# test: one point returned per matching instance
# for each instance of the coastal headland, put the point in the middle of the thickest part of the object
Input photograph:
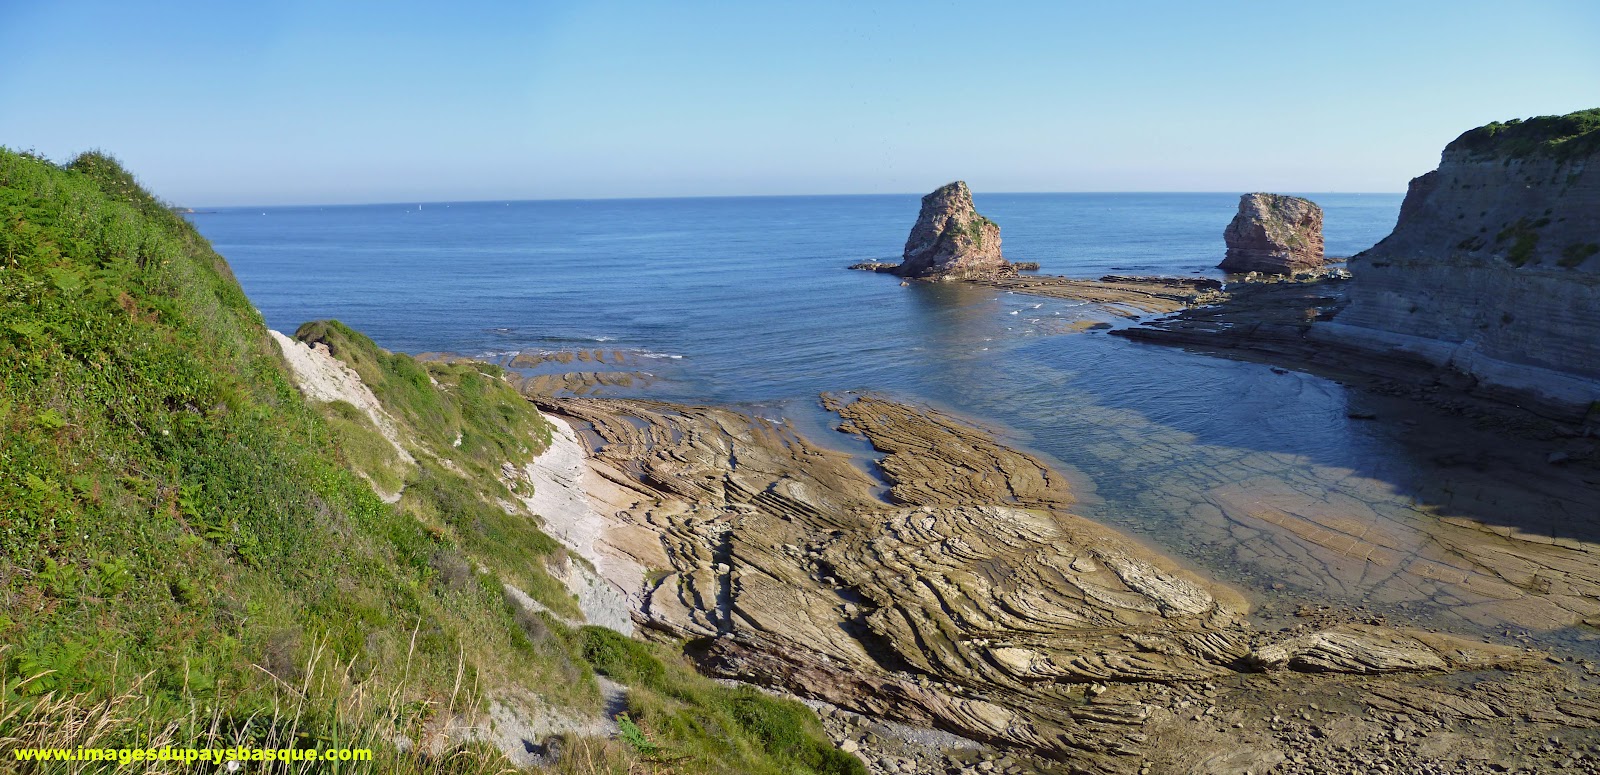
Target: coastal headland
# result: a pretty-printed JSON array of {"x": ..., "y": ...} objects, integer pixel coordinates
[{"x": 530, "y": 571}]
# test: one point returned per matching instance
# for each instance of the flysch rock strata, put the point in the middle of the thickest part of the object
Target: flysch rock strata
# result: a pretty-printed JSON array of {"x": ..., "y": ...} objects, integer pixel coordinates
[
  {"x": 1493, "y": 269},
  {"x": 968, "y": 598}
]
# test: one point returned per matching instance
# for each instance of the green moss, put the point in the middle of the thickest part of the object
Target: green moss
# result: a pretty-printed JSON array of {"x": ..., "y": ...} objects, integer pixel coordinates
[
  {"x": 1524, "y": 239},
  {"x": 972, "y": 230},
  {"x": 1577, "y": 253},
  {"x": 1559, "y": 137}
]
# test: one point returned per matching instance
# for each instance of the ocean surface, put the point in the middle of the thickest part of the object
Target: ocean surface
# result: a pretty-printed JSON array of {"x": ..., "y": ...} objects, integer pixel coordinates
[
  {"x": 751, "y": 294},
  {"x": 747, "y": 301}
]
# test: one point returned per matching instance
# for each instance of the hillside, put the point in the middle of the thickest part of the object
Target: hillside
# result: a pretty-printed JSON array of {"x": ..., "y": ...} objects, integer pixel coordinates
[
  {"x": 1559, "y": 137},
  {"x": 198, "y": 555}
]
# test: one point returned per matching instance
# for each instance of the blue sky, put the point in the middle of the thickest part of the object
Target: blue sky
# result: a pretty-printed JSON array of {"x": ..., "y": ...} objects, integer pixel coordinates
[{"x": 222, "y": 103}]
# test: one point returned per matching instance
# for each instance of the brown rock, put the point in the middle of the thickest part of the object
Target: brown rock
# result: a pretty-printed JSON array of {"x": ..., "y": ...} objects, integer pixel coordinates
[
  {"x": 967, "y": 597},
  {"x": 951, "y": 240},
  {"x": 1274, "y": 234},
  {"x": 1119, "y": 295}
]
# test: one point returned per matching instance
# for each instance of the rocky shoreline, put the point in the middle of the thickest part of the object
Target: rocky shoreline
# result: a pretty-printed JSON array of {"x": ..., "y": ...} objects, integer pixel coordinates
[
  {"x": 1121, "y": 295},
  {"x": 967, "y": 598},
  {"x": 1278, "y": 323},
  {"x": 947, "y": 611}
]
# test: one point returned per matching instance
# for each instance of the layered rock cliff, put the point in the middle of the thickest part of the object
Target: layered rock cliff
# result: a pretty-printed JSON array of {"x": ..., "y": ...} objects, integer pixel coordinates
[
  {"x": 1275, "y": 234},
  {"x": 1492, "y": 268},
  {"x": 951, "y": 240}
]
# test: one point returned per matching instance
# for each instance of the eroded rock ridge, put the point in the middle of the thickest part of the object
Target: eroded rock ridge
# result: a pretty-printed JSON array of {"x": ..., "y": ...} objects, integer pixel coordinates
[{"x": 965, "y": 597}]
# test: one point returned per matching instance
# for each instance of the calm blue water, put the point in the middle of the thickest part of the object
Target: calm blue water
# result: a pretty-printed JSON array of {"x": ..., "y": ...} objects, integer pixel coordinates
[
  {"x": 752, "y": 292},
  {"x": 747, "y": 301}
]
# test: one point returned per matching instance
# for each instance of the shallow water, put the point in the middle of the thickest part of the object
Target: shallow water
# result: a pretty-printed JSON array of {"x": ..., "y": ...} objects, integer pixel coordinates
[{"x": 1230, "y": 465}]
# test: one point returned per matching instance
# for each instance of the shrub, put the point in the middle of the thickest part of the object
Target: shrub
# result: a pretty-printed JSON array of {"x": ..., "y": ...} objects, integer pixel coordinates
[{"x": 1559, "y": 137}]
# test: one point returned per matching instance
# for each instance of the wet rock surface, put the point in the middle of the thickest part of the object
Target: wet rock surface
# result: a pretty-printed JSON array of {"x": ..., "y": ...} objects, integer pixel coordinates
[
  {"x": 1502, "y": 537},
  {"x": 1273, "y": 234},
  {"x": 1122, "y": 295},
  {"x": 1286, "y": 323},
  {"x": 968, "y": 598}
]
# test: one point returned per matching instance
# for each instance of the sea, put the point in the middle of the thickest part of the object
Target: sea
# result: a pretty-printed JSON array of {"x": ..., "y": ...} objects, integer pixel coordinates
[{"x": 748, "y": 302}]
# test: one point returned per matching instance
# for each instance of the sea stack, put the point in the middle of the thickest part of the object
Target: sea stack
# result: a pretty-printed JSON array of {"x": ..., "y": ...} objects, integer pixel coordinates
[
  {"x": 1494, "y": 266},
  {"x": 1274, "y": 234},
  {"x": 951, "y": 241}
]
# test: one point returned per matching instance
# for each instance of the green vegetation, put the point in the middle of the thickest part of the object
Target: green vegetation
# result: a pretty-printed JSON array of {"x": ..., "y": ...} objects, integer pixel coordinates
[
  {"x": 462, "y": 410},
  {"x": 1524, "y": 237},
  {"x": 365, "y": 449},
  {"x": 1577, "y": 253},
  {"x": 674, "y": 712},
  {"x": 1558, "y": 137},
  {"x": 973, "y": 230},
  {"x": 460, "y": 421},
  {"x": 191, "y": 554}
]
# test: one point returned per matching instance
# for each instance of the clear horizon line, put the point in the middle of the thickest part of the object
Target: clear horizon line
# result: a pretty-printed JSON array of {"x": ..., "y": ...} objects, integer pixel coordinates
[{"x": 408, "y": 202}]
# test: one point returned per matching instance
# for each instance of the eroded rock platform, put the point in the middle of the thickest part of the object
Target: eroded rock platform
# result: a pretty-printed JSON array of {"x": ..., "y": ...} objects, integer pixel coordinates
[{"x": 968, "y": 597}]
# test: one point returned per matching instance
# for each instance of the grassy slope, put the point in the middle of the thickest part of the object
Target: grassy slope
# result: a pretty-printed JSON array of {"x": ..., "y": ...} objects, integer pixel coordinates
[
  {"x": 189, "y": 555},
  {"x": 1559, "y": 137}
]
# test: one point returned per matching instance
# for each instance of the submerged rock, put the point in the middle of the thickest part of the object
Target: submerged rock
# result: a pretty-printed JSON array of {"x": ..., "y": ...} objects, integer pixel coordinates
[
  {"x": 951, "y": 240},
  {"x": 1274, "y": 234}
]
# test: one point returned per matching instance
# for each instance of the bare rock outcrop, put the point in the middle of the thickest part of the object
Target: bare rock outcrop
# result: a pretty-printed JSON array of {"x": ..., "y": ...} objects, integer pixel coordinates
[
  {"x": 1120, "y": 295},
  {"x": 1273, "y": 234},
  {"x": 1494, "y": 266},
  {"x": 951, "y": 240},
  {"x": 965, "y": 597}
]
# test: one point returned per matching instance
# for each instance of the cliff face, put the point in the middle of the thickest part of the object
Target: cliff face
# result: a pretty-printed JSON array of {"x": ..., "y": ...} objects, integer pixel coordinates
[
  {"x": 1275, "y": 234},
  {"x": 1492, "y": 267},
  {"x": 951, "y": 240}
]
